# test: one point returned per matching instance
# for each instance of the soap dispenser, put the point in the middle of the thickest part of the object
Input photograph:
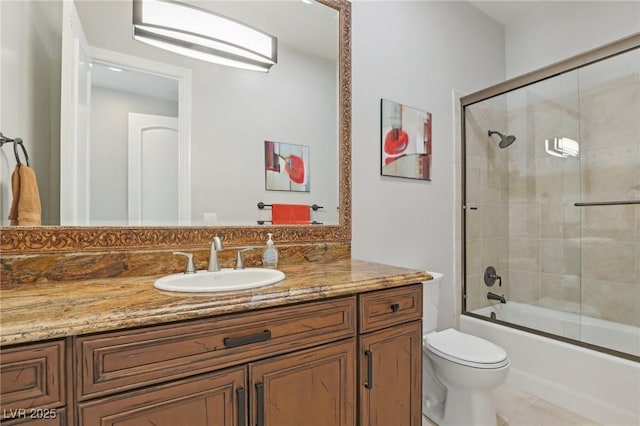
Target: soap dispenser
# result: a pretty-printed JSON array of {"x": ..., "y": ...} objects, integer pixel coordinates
[{"x": 270, "y": 255}]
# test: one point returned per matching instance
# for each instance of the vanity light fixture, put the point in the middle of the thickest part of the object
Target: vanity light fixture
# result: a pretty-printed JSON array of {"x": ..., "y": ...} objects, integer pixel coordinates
[
  {"x": 204, "y": 35},
  {"x": 562, "y": 147}
]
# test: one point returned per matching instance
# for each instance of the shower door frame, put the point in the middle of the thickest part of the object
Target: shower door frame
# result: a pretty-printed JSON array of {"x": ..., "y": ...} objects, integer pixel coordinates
[{"x": 573, "y": 63}]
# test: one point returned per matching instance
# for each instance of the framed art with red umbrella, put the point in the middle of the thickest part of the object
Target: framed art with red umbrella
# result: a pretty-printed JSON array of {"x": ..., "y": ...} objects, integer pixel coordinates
[
  {"x": 287, "y": 167},
  {"x": 405, "y": 141}
]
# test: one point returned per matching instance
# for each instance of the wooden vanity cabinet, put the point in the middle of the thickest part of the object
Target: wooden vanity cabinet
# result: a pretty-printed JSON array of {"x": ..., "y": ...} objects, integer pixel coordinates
[
  {"x": 276, "y": 366},
  {"x": 390, "y": 348},
  {"x": 346, "y": 361}
]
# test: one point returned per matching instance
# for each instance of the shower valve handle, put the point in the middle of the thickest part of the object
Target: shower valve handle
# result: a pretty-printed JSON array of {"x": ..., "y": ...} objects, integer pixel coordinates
[{"x": 490, "y": 277}]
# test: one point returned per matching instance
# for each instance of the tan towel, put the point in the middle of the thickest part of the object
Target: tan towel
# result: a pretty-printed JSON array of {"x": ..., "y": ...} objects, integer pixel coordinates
[
  {"x": 25, "y": 207},
  {"x": 15, "y": 191}
]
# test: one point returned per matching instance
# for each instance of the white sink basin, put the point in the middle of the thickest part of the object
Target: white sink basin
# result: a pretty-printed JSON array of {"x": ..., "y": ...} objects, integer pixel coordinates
[{"x": 223, "y": 280}]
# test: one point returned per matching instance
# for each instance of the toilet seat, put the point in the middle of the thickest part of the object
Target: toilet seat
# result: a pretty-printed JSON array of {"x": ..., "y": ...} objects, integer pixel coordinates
[{"x": 465, "y": 349}]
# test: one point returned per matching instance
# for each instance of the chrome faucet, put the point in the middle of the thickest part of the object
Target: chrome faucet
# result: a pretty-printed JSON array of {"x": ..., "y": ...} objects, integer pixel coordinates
[{"x": 216, "y": 246}]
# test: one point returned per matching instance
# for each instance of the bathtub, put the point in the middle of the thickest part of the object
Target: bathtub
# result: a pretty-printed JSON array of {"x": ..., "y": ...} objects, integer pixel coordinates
[
  {"x": 601, "y": 387},
  {"x": 608, "y": 334}
]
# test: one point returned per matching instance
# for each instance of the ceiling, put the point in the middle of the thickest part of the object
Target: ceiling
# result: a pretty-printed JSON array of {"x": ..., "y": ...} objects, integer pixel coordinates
[
  {"x": 132, "y": 81},
  {"x": 508, "y": 12}
]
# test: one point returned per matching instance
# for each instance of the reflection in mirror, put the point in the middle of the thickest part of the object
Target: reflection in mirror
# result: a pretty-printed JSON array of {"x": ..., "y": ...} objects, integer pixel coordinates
[
  {"x": 135, "y": 132},
  {"x": 211, "y": 170}
]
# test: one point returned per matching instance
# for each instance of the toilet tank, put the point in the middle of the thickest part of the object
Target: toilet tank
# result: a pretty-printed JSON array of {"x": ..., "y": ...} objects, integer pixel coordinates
[{"x": 430, "y": 300}]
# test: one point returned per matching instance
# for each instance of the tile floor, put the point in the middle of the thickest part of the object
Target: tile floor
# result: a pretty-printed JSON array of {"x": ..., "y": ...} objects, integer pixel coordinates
[{"x": 518, "y": 408}]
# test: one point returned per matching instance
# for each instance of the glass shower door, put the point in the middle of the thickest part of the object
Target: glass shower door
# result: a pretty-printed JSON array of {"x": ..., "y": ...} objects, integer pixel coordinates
[
  {"x": 520, "y": 213},
  {"x": 610, "y": 175},
  {"x": 551, "y": 204}
]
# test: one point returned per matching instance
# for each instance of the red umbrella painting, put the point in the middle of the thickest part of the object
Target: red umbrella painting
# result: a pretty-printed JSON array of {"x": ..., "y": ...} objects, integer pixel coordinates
[
  {"x": 405, "y": 141},
  {"x": 286, "y": 167}
]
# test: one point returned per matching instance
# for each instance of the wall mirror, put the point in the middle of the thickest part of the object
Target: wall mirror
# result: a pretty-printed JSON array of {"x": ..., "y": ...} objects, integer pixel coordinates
[{"x": 227, "y": 115}]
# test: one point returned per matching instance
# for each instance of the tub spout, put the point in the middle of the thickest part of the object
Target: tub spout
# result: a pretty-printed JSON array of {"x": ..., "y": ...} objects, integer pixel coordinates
[{"x": 493, "y": 296}]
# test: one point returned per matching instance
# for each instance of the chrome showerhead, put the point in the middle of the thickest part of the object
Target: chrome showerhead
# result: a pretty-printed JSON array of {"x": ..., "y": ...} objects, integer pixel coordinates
[{"x": 505, "y": 140}]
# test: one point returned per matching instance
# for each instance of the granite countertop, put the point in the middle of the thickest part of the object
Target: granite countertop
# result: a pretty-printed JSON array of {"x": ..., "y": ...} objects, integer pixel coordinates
[{"x": 40, "y": 311}]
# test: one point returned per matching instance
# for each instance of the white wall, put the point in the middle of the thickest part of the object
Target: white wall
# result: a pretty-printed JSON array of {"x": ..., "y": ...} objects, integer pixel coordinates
[
  {"x": 414, "y": 53},
  {"x": 30, "y": 103},
  {"x": 561, "y": 29}
]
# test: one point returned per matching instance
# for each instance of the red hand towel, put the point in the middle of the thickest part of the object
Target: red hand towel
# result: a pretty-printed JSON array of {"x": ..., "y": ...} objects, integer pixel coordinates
[{"x": 290, "y": 214}]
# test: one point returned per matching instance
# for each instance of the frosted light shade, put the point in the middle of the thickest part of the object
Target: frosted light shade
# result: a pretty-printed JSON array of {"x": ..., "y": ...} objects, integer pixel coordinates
[{"x": 202, "y": 34}]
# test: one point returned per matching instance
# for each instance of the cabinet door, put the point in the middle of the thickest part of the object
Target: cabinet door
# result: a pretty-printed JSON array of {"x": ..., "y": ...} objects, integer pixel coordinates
[
  {"x": 32, "y": 376},
  {"x": 217, "y": 399},
  {"x": 390, "y": 376},
  {"x": 313, "y": 387}
]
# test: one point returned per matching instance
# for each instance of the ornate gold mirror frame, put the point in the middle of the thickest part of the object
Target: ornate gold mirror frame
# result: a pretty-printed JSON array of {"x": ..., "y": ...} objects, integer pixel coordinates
[{"x": 23, "y": 240}]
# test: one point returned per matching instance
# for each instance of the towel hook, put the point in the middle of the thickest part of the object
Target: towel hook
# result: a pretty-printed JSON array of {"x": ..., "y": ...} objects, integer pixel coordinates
[{"x": 16, "y": 142}]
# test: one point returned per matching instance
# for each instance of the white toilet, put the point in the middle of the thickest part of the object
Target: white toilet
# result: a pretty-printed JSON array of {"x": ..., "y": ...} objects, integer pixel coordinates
[{"x": 459, "y": 370}]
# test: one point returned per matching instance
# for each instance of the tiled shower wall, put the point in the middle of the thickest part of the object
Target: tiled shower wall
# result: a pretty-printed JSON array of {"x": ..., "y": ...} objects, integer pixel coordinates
[{"x": 549, "y": 252}]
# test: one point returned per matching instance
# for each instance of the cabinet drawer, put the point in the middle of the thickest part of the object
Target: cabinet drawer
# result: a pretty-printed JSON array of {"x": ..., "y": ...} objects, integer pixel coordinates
[
  {"x": 129, "y": 359},
  {"x": 384, "y": 308},
  {"x": 32, "y": 376}
]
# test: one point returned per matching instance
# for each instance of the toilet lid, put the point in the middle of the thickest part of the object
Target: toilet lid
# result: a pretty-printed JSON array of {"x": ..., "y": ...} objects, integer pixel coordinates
[{"x": 466, "y": 349}]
